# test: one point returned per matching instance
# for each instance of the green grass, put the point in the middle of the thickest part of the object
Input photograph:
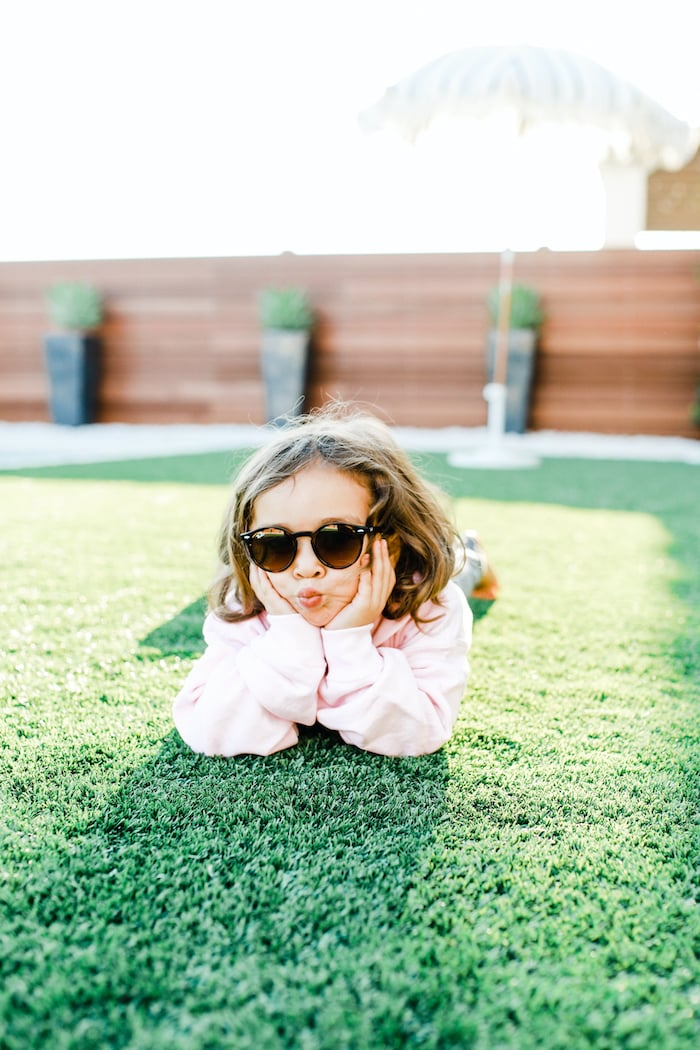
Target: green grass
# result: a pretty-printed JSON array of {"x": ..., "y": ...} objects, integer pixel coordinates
[{"x": 534, "y": 884}]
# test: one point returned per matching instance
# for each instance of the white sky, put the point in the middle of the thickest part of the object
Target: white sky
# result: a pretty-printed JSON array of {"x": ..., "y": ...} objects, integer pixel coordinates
[{"x": 137, "y": 128}]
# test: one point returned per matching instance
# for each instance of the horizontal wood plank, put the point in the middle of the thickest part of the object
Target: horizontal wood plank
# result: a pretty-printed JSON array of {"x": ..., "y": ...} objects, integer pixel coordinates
[{"x": 618, "y": 349}]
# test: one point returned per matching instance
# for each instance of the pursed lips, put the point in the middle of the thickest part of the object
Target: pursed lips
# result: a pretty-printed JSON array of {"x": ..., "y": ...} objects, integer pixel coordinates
[{"x": 309, "y": 598}]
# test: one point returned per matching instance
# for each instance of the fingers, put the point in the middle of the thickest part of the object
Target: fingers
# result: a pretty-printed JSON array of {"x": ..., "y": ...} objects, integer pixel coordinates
[
  {"x": 377, "y": 581},
  {"x": 266, "y": 593},
  {"x": 382, "y": 570},
  {"x": 374, "y": 585}
]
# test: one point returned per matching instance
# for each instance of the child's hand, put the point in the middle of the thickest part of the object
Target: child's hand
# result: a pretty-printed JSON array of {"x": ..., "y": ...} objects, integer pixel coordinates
[
  {"x": 375, "y": 584},
  {"x": 271, "y": 599}
]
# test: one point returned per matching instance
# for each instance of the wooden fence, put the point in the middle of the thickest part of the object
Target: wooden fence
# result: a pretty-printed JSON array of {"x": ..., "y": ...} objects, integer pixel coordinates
[{"x": 406, "y": 333}]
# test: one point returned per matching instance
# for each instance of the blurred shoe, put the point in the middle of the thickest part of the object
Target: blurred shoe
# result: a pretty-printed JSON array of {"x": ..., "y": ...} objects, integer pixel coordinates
[{"x": 477, "y": 578}]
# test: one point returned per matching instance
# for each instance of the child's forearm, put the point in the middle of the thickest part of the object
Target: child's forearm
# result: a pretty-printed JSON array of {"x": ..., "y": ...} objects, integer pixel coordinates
[
  {"x": 397, "y": 699},
  {"x": 249, "y": 699},
  {"x": 395, "y": 713}
]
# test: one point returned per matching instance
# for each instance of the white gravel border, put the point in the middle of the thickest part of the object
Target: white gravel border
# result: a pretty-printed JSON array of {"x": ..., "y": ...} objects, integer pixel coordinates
[{"x": 47, "y": 444}]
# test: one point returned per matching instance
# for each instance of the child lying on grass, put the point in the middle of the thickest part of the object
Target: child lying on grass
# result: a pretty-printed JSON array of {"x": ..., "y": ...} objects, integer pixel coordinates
[{"x": 335, "y": 601}]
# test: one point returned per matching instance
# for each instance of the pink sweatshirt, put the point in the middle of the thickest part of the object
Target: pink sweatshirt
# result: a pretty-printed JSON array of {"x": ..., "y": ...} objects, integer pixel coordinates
[{"x": 392, "y": 688}]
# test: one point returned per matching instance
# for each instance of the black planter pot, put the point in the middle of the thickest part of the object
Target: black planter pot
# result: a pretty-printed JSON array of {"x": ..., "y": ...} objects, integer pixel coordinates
[
  {"x": 284, "y": 361},
  {"x": 522, "y": 350},
  {"x": 73, "y": 369}
]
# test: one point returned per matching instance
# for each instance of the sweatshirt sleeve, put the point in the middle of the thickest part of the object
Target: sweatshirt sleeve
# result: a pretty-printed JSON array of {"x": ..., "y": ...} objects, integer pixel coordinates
[
  {"x": 251, "y": 687},
  {"x": 400, "y": 696}
]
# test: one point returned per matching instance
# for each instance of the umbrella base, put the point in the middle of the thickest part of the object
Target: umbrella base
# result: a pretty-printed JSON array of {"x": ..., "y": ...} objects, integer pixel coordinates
[
  {"x": 493, "y": 457},
  {"x": 496, "y": 452}
]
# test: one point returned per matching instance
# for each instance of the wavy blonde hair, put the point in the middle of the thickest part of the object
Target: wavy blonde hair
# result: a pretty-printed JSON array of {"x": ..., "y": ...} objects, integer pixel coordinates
[{"x": 403, "y": 505}]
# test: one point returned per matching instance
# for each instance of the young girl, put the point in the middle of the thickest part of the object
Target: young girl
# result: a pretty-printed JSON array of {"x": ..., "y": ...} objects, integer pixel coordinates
[{"x": 334, "y": 602}]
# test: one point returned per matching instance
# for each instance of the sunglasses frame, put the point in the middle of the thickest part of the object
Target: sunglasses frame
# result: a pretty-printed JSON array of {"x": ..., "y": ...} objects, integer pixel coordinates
[{"x": 359, "y": 530}]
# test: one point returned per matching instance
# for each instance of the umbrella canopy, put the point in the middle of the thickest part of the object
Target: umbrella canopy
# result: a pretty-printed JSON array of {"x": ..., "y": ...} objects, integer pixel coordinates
[
  {"x": 538, "y": 85},
  {"x": 539, "y": 88}
]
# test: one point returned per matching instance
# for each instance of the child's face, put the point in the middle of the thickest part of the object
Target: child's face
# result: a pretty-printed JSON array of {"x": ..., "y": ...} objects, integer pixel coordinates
[{"x": 316, "y": 495}]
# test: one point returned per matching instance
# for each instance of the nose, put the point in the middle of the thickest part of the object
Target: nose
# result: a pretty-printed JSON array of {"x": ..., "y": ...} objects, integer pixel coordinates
[{"x": 306, "y": 564}]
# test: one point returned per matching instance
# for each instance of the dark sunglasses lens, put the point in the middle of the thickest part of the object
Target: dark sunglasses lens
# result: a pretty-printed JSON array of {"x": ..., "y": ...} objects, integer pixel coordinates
[
  {"x": 273, "y": 551},
  {"x": 338, "y": 545}
]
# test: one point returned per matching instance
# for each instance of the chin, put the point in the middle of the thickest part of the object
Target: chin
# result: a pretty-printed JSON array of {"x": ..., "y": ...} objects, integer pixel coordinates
[{"x": 318, "y": 619}]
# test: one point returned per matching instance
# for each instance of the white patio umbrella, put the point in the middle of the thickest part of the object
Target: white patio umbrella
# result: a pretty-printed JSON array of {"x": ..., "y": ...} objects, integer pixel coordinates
[{"x": 538, "y": 87}]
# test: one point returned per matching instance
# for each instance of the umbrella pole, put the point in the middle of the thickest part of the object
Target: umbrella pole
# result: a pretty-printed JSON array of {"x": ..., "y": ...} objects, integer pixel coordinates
[
  {"x": 495, "y": 392},
  {"x": 495, "y": 452}
]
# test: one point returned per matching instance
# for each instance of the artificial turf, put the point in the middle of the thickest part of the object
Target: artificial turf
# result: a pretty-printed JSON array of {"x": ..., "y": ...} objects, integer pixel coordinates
[{"x": 533, "y": 884}]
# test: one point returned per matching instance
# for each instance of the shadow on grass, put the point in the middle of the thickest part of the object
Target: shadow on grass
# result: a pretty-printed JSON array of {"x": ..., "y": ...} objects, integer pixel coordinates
[
  {"x": 321, "y": 897},
  {"x": 480, "y": 608},
  {"x": 179, "y": 636},
  {"x": 254, "y": 898}
]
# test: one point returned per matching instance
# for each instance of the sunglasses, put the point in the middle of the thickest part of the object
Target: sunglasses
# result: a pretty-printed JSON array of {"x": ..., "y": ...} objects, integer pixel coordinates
[{"x": 336, "y": 545}]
